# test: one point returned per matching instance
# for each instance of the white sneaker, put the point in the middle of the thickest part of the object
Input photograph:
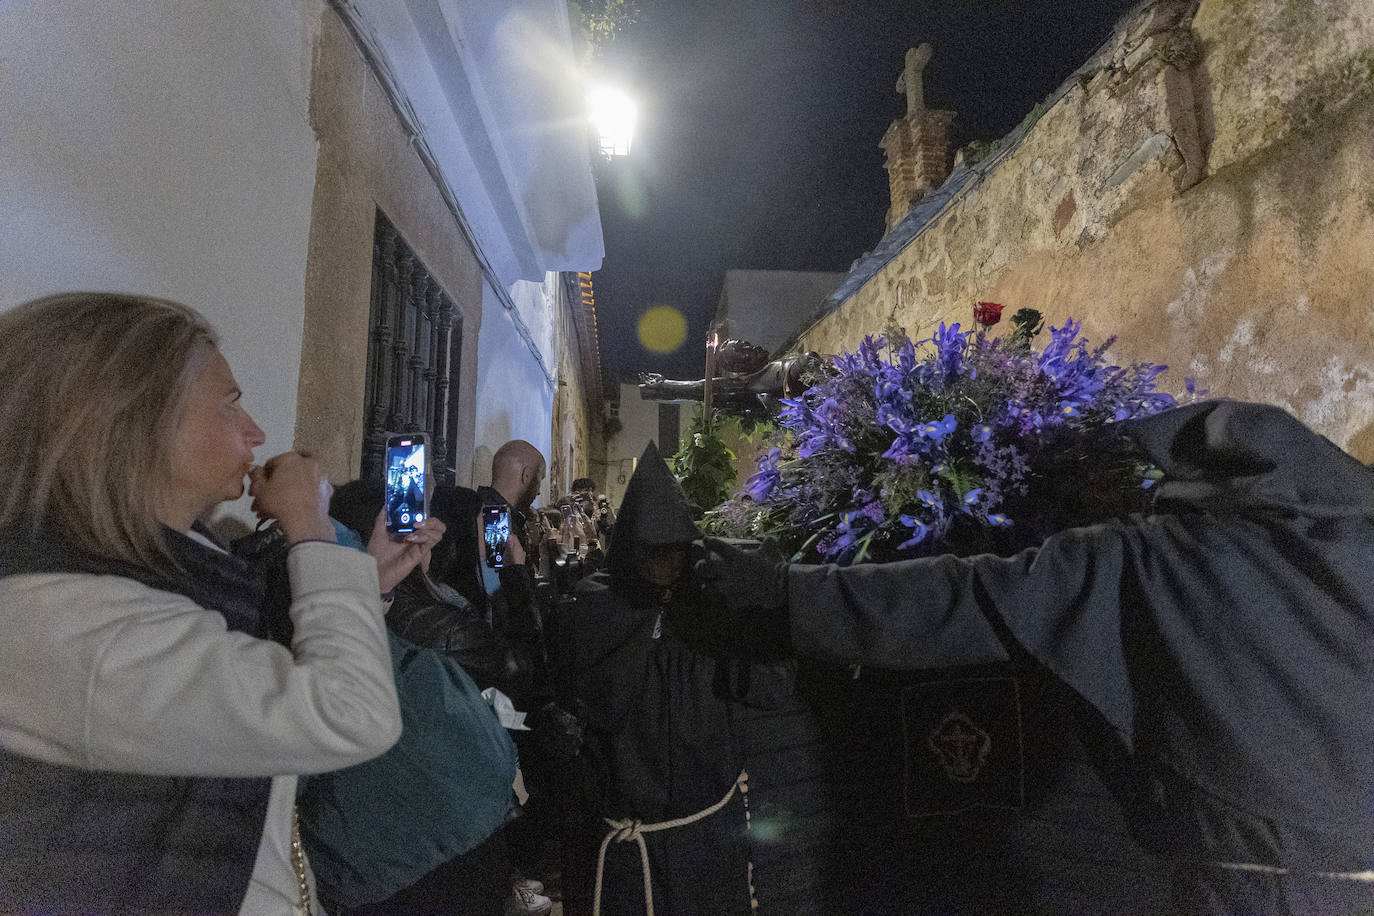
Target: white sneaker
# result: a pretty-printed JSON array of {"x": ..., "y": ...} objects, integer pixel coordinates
[
  {"x": 529, "y": 884},
  {"x": 525, "y": 902}
]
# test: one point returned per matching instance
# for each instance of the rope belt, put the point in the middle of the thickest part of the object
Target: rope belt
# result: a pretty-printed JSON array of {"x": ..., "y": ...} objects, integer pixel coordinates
[
  {"x": 1364, "y": 876},
  {"x": 625, "y": 829}
]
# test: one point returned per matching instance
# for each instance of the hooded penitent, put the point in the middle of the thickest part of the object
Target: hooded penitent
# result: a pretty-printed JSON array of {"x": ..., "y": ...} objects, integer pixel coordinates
[
  {"x": 658, "y": 739},
  {"x": 654, "y": 513}
]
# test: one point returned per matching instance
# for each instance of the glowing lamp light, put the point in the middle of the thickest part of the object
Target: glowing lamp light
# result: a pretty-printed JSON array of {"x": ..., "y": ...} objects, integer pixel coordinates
[{"x": 613, "y": 114}]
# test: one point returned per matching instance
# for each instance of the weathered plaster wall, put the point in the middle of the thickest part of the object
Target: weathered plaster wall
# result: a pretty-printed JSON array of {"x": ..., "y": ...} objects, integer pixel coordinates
[
  {"x": 164, "y": 148},
  {"x": 513, "y": 398},
  {"x": 366, "y": 163},
  {"x": 1218, "y": 215}
]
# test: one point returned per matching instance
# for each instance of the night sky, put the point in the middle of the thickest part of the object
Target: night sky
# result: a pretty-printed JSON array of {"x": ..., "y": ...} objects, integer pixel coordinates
[{"x": 759, "y": 122}]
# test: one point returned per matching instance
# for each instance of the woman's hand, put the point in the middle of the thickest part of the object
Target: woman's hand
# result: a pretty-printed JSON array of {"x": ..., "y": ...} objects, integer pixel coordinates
[
  {"x": 396, "y": 558},
  {"x": 292, "y": 489}
]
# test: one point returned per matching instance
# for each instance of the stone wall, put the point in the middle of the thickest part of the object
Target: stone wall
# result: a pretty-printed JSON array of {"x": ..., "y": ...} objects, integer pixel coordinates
[
  {"x": 1204, "y": 188},
  {"x": 367, "y": 163}
]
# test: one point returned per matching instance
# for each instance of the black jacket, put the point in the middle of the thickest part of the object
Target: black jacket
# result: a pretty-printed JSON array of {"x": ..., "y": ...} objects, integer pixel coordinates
[{"x": 462, "y": 632}]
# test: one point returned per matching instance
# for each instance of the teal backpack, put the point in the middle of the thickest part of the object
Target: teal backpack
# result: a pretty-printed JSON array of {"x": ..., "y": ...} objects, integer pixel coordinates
[{"x": 378, "y": 827}]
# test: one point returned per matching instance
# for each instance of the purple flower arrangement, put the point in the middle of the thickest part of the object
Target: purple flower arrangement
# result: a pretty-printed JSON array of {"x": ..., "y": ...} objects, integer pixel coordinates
[{"x": 957, "y": 443}]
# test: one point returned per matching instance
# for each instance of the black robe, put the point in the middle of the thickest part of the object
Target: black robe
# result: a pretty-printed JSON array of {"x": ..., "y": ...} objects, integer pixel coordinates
[
  {"x": 1228, "y": 638},
  {"x": 658, "y": 739}
]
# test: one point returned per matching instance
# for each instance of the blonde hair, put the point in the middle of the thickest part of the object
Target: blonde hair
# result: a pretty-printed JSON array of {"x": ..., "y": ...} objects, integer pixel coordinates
[{"x": 93, "y": 388}]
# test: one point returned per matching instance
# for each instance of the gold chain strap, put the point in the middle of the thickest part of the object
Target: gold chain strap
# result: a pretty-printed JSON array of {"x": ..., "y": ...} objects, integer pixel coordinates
[{"x": 298, "y": 860}]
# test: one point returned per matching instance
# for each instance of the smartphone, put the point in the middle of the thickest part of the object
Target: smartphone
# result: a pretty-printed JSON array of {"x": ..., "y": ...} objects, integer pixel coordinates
[
  {"x": 407, "y": 482},
  {"x": 496, "y": 530}
]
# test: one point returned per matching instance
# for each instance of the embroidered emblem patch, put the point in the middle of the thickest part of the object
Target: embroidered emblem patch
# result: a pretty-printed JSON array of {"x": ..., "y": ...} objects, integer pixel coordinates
[{"x": 961, "y": 746}]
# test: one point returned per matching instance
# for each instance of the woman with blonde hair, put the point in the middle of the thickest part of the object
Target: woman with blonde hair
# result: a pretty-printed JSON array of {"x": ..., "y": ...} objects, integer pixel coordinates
[{"x": 150, "y": 736}]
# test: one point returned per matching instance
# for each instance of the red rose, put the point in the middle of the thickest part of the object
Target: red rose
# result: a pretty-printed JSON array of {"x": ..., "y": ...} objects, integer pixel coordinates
[{"x": 987, "y": 313}]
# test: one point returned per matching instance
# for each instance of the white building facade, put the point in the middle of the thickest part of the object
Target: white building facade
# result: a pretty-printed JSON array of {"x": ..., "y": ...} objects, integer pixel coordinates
[{"x": 256, "y": 159}]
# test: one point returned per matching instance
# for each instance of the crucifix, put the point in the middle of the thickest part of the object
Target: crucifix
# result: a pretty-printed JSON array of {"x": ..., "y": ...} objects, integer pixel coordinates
[
  {"x": 712, "y": 341},
  {"x": 910, "y": 79}
]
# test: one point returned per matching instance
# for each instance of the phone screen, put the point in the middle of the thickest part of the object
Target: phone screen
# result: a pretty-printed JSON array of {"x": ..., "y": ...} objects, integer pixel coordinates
[
  {"x": 405, "y": 484},
  {"x": 496, "y": 530}
]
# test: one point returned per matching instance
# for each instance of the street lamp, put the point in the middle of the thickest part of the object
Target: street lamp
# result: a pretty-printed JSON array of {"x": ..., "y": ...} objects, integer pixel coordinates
[{"x": 613, "y": 113}]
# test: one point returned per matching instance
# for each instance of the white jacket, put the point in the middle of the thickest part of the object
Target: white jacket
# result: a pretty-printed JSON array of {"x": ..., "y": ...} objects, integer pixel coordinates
[{"x": 105, "y": 673}]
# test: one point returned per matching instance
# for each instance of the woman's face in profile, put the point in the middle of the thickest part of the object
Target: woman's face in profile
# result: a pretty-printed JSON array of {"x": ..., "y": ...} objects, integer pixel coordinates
[{"x": 214, "y": 441}]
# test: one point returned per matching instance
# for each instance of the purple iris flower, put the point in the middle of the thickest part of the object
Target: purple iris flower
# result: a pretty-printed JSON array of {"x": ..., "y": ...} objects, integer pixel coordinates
[
  {"x": 888, "y": 386},
  {"x": 904, "y": 450},
  {"x": 980, "y": 433},
  {"x": 919, "y": 530},
  {"x": 761, "y": 485},
  {"x": 938, "y": 429},
  {"x": 835, "y": 543},
  {"x": 854, "y": 525},
  {"x": 949, "y": 346},
  {"x": 906, "y": 356},
  {"x": 893, "y": 420}
]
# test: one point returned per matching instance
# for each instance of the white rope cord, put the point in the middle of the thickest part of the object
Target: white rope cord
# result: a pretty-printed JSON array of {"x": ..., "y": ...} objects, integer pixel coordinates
[
  {"x": 625, "y": 829},
  {"x": 1365, "y": 876}
]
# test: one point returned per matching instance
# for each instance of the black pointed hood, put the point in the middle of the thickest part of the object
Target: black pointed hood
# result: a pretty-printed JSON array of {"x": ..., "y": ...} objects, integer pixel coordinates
[
  {"x": 1237, "y": 456},
  {"x": 654, "y": 513}
]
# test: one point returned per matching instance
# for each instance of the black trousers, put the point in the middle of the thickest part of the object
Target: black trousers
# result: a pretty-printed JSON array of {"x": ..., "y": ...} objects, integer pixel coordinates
[{"x": 473, "y": 884}]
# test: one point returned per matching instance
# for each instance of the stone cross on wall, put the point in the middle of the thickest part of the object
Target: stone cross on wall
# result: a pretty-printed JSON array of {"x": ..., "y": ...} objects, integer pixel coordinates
[
  {"x": 910, "y": 80},
  {"x": 918, "y": 146}
]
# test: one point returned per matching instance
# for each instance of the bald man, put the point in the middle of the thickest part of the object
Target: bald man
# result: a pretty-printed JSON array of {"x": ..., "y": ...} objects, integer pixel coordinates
[{"x": 517, "y": 472}]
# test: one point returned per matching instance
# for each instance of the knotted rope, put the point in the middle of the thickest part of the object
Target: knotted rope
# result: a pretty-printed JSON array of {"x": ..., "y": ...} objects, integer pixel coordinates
[
  {"x": 1364, "y": 876},
  {"x": 627, "y": 828}
]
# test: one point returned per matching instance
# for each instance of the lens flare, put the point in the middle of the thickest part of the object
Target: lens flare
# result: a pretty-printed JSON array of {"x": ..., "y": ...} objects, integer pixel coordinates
[{"x": 662, "y": 329}]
